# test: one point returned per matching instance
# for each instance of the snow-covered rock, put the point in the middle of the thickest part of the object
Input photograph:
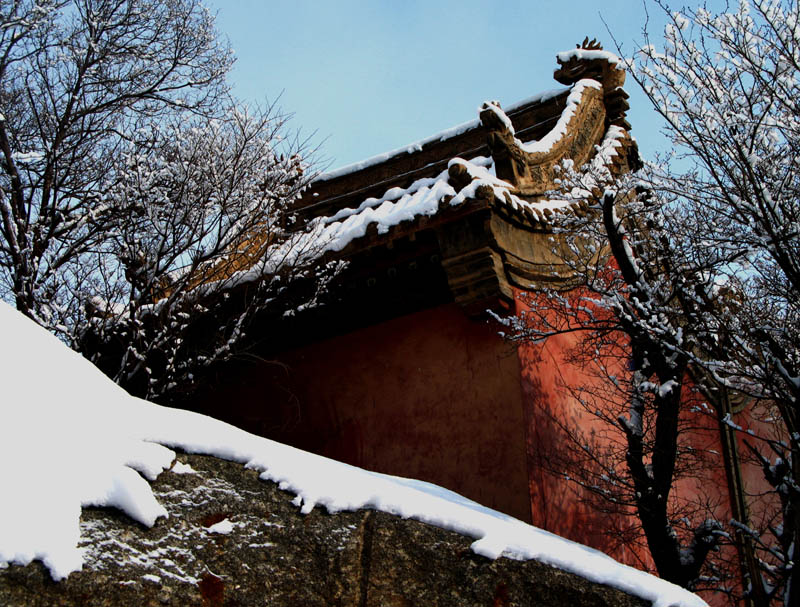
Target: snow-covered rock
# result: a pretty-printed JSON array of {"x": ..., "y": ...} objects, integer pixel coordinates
[{"x": 274, "y": 555}]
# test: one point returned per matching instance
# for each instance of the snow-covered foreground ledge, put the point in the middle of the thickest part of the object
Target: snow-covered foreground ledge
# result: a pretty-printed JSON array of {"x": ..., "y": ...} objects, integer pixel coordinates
[{"x": 69, "y": 437}]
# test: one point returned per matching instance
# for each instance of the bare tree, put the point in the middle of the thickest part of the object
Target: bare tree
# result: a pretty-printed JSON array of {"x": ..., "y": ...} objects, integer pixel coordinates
[
  {"x": 77, "y": 76},
  {"x": 727, "y": 86},
  {"x": 143, "y": 212},
  {"x": 631, "y": 337},
  {"x": 200, "y": 246},
  {"x": 693, "y": 308}
]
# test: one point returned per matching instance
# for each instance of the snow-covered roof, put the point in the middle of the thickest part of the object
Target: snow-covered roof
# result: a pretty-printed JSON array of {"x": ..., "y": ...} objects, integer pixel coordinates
[
  {"x": 441, "y": 136},
  {"x": 422, "y": 197},
  {"x": 428, "y": 195},
  {"x": 589, "y": 54},
  {"x": 549, "y": 125},
  {"x": 71, "y": 438},
  {"x": 510, "y": 162}
]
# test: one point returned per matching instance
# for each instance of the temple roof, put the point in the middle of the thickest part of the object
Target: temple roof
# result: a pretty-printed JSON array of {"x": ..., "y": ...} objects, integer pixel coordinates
[{"x": 489, "y": 188}]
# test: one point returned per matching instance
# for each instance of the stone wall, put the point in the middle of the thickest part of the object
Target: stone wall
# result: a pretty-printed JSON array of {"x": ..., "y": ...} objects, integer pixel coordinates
[{"x": 276, "y": 556}]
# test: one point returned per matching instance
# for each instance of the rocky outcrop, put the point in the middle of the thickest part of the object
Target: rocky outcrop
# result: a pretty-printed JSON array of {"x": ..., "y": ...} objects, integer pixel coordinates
[{"x": 233, "y": 540}]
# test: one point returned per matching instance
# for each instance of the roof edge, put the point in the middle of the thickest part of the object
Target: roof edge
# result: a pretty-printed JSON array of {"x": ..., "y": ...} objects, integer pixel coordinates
[{"x": 441, "y": 136}]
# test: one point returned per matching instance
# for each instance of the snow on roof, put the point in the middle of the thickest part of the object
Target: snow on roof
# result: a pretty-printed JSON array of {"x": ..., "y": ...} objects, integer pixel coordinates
[
  {"x": 588, "y": 54},
  {"x": 546, "y": 143},
  {"x": 400, "y": 204},
  {"x": 441, "y": 136},
  {"x": 423, "y": 197},
  {"x": 69, "y": 438}
]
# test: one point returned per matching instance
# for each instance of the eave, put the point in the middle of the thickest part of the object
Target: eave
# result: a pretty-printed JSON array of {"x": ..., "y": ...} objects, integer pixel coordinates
[{"x": 494, "y": 233}]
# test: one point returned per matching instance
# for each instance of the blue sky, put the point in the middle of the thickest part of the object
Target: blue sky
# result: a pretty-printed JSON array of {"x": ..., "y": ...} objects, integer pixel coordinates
[{"x": 368, "y": 77}]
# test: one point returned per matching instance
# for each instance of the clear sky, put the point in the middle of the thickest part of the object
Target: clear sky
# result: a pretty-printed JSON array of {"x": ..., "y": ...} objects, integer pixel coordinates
[{"x": 370, "y": 76}]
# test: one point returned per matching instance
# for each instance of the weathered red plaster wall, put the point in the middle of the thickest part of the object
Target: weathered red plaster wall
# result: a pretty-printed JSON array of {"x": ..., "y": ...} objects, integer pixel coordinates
[
  {"x": 563, "y": 508},
  {"x": 432, "y": 395},
  {"x": 558, "y": 505}
]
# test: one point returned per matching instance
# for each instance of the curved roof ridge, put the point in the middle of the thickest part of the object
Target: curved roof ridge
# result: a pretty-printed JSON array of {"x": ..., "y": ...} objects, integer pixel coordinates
[{"x": 444, "y": 135}]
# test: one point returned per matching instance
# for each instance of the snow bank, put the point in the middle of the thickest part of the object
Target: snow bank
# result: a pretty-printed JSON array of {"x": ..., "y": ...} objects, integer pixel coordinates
[{"x": 69, "y": 437}]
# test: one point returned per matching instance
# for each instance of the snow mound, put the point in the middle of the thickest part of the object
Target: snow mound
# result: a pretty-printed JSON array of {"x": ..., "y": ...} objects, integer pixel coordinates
[{"x": 69, "y": 437}]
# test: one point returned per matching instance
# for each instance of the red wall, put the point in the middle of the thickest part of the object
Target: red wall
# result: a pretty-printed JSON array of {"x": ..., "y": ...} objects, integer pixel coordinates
[
  {"x": 558, "y": 505},
  {"x": 564, "y": 508},
  {"x": 442, "y": 398},
  {"x": 432, "y": 395}
]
